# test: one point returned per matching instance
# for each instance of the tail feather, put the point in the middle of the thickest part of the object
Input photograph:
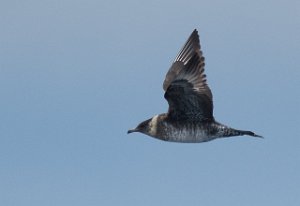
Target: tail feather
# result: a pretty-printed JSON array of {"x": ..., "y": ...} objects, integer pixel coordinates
[{"x": 242, "y": 132}]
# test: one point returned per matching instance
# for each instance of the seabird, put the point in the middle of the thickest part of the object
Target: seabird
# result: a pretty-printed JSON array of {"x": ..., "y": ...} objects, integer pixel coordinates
[{"x": 190, "y": 116}]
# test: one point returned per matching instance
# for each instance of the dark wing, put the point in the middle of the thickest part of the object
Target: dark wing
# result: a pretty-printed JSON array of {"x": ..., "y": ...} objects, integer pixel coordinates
[
  {"x": 191, "y": 46},
  {"x": 187, "y": 92}
]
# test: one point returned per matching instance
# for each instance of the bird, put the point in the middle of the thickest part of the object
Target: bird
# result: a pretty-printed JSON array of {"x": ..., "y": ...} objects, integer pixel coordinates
[{"x": 190, "y": 116}]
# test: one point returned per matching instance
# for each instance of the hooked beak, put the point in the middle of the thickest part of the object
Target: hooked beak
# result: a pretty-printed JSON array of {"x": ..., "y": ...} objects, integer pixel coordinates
[{"x": 132, "y": 130}]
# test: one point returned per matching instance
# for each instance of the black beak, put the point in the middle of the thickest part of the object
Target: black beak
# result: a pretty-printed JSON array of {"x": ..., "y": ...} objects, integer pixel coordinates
[{"x": 132, "y": 130}]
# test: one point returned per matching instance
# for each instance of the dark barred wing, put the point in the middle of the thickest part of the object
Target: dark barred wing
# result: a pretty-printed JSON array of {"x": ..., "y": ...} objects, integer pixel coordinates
[
  {"x": 187, "y": 92},
  {"x": 191, "y": 46}
]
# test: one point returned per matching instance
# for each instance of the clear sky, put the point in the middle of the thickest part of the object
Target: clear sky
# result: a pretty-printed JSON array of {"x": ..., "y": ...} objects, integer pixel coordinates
[{"x": 76, "y": 75}]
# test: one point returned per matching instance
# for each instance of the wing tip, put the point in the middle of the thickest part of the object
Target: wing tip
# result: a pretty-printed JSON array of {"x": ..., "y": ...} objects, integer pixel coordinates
[
  {"x": 195, "y": 34},
  {"x": 195, "y": 31}
]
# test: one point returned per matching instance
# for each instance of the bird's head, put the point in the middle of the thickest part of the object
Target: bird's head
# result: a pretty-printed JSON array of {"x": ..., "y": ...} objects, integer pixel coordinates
[
  {"x": 148, "y": 127},
  {"x": 143, "y": 127}
]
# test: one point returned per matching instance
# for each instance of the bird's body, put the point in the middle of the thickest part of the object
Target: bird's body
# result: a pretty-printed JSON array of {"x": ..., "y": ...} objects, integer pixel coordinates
[
  {"x": 190, "y": 115},
  {"x": 164, "y": 128}
]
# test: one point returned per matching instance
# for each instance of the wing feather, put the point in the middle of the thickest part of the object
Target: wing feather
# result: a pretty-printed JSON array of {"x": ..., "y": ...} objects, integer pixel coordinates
[
  {"x": 187, "y": 92},
  {"x": 191, "y": 46}
]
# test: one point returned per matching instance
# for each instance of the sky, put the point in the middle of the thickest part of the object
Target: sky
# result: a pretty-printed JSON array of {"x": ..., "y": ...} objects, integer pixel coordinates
[{"x": 76, "y": 75}]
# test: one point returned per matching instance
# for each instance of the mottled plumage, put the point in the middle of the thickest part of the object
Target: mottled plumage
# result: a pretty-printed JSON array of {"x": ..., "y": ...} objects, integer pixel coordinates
[{"x": 190, "y": 115}]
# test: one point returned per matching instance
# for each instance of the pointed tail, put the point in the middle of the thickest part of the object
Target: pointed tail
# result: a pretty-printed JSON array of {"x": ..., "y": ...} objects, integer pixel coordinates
[{"x": 242, "y": 132}]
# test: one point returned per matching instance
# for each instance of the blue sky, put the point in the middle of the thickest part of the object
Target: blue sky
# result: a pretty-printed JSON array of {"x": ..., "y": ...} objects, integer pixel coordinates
[{"x": 75, "y": 75}]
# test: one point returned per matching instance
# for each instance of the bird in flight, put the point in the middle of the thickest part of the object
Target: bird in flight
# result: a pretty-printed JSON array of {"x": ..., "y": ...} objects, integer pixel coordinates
[{"x": 190, "y": 116}]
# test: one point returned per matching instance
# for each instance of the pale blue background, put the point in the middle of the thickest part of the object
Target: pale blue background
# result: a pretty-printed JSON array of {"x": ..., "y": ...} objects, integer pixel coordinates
[{"x": 75, "y": 75}]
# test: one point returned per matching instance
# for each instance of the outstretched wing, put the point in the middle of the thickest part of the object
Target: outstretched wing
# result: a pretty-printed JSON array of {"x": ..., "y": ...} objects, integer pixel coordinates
[{"x": 187, "y": 92}]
